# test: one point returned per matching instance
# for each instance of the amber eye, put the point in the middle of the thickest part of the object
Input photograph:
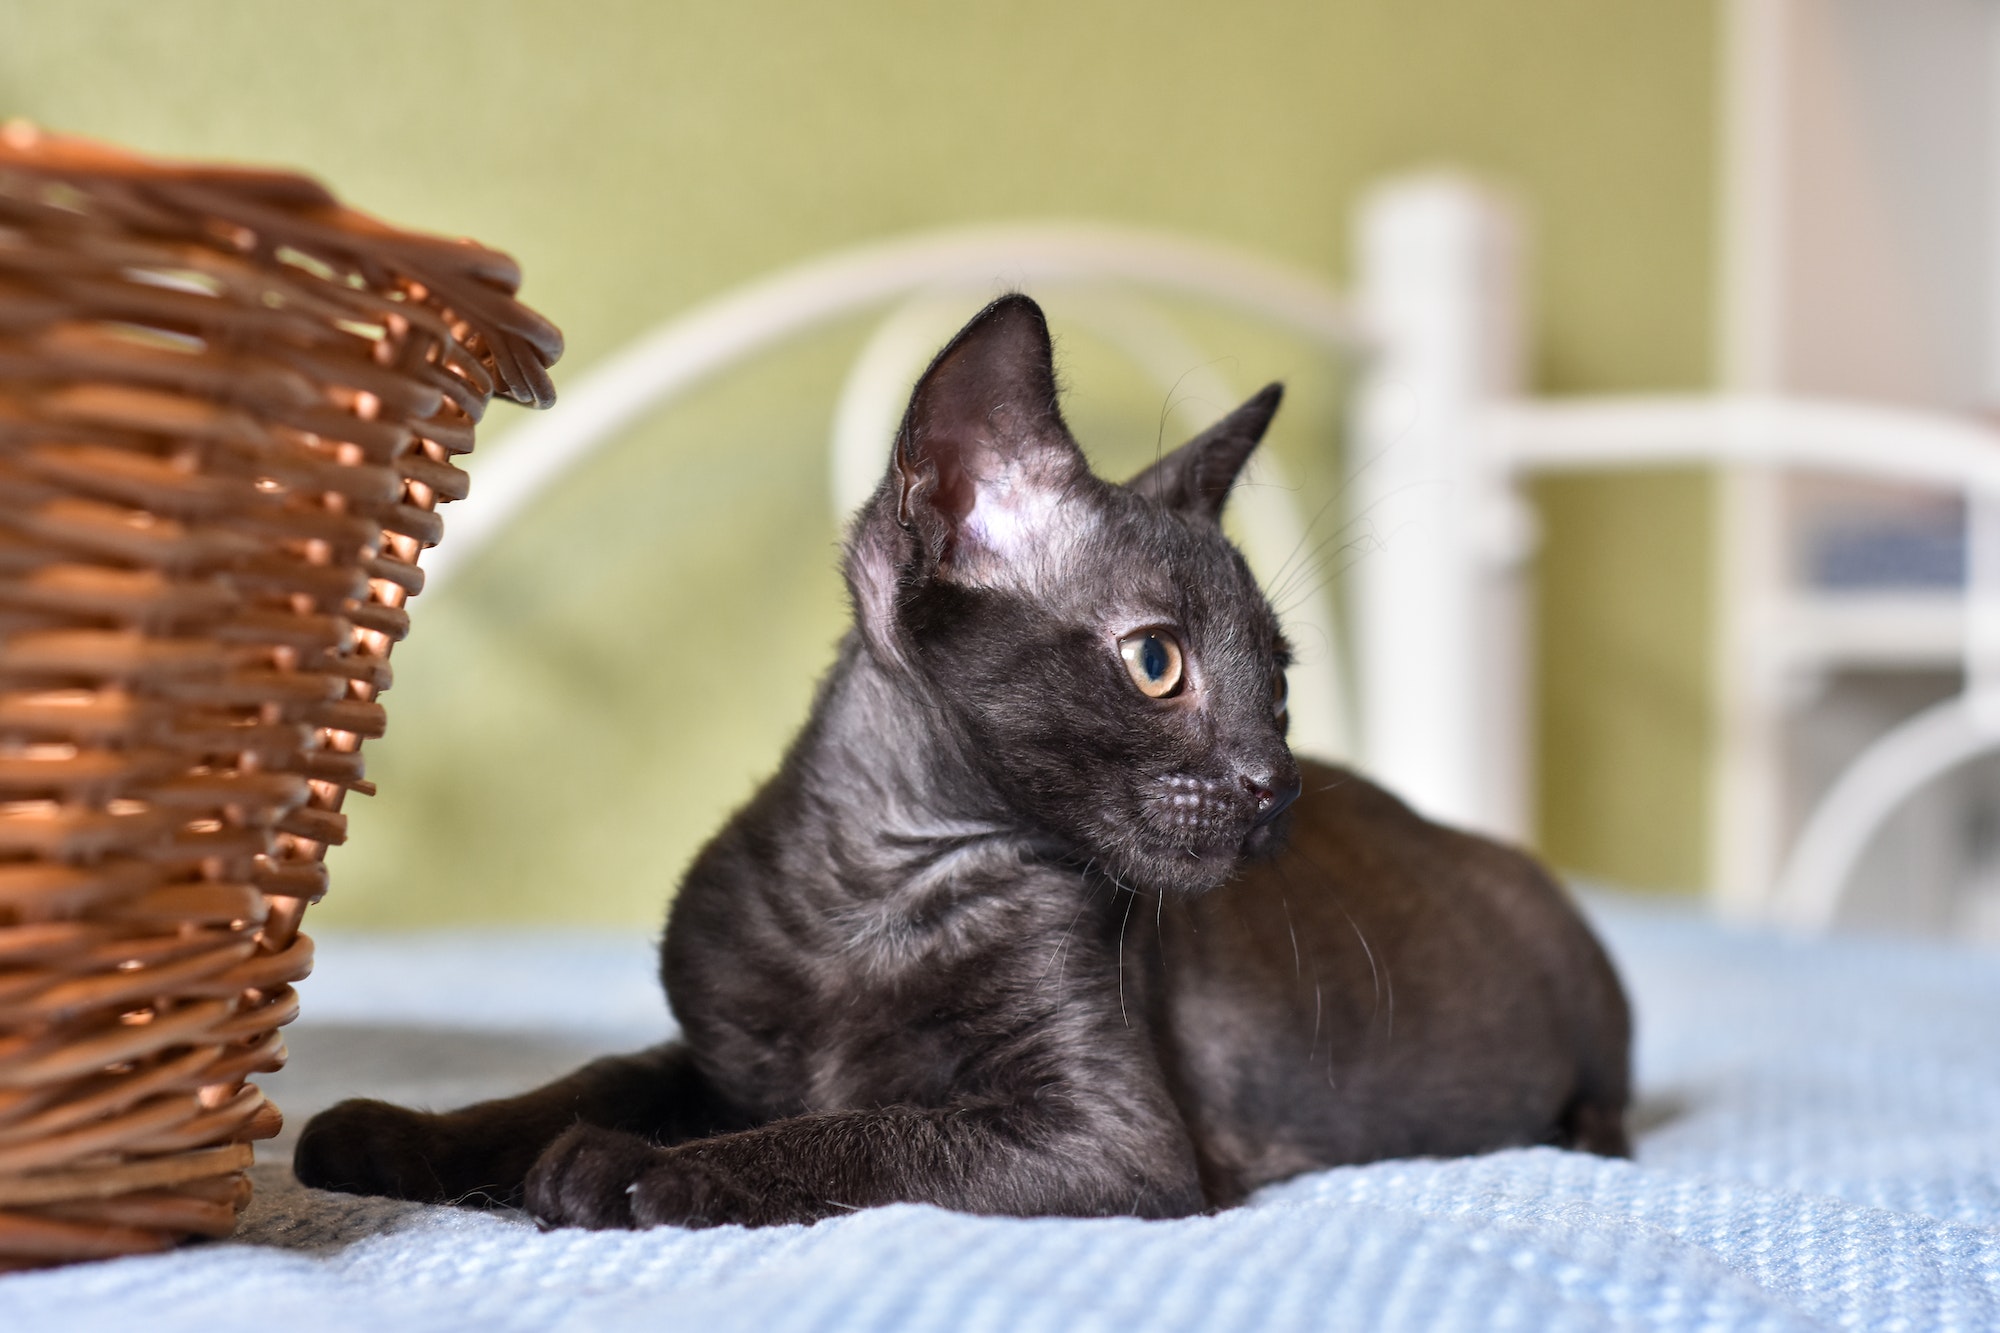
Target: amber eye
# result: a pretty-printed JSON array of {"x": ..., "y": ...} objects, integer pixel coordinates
[{"x": 1153, "y": 660}]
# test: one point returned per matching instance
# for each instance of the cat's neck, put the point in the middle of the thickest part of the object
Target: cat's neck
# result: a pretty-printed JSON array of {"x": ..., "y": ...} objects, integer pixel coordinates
[{"x": 892, "y": 780}]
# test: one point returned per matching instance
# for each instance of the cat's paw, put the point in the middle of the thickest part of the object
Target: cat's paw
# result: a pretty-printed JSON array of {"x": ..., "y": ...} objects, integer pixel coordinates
[
  {"x": 604, "y": 1179},
  {"x": 369, "y": 1147},
  {"x": 587, "y": 1177}
]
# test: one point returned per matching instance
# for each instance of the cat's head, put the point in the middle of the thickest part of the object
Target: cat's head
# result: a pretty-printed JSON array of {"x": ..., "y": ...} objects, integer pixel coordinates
[{"x": 1104, "y": 652}]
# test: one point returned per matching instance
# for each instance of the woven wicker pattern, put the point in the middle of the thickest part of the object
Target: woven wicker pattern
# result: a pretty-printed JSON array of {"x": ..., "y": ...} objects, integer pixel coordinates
[{"x": 228, "y": 413}]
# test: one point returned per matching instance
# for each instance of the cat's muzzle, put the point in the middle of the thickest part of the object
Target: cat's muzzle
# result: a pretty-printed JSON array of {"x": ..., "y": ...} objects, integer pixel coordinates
[{"x": 1219, "y": 820}]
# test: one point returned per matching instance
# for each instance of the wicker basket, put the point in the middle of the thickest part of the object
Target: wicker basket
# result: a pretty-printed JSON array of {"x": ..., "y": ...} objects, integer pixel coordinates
[{"x": 228, "y": 412}]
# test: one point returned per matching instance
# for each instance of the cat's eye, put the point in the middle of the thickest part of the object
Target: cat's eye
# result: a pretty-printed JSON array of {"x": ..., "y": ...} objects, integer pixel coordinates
[
  {"x": 1153, "y": 660},
  {"x": 1280, "y": 691}
]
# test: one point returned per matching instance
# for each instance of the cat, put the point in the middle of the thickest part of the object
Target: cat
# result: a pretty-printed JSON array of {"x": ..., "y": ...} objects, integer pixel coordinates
[{"x": 1040, "y": 915}]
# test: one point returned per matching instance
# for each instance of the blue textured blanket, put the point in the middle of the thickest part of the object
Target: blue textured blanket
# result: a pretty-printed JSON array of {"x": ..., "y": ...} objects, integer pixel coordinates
[{"x": 1819, "y": 1147}]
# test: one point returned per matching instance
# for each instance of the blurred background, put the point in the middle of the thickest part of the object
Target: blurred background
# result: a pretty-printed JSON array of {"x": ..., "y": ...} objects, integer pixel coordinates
[{"x": 1787, "y": 196}]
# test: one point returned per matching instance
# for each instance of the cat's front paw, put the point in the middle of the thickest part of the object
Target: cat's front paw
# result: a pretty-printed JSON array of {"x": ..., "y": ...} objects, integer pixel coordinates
[
  {"x": 369, "y": 1147},
  {"x": 604, "y": 1179},
  {"x": 586, "y": 1178}
]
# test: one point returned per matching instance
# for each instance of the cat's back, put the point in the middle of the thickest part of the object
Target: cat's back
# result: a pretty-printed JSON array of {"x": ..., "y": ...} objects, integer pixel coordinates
[{"x": 1385, "y": 986}]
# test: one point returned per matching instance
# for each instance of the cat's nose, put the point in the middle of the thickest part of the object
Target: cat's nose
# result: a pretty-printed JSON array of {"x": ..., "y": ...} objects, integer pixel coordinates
[{"x": 1272, "y": 794}]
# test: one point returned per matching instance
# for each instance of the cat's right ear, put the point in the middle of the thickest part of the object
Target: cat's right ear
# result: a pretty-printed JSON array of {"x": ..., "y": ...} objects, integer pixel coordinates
[{"x": 1196, "y": 478}]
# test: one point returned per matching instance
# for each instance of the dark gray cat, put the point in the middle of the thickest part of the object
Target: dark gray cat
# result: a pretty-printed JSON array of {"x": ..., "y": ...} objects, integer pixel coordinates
[{"x": 1019, "y": 925}]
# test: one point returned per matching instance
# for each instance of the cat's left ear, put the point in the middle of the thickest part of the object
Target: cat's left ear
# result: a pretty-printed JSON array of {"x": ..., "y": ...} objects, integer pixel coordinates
[
  {"x": 1196, "y": 477},
  {"x": 983, "y": 456}
]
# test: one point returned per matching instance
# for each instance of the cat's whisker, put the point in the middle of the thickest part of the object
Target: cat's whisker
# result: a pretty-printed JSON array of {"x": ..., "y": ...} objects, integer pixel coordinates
[
  {"x": 1340, "y": 492},
  {"x": 1301, "y": 557},
  {"x": 1379, "y": 979},
  {"x": 1298, "y": 969},
  {"x": 1298, "y": 966},
  {"x": 1171, "y": 401},
  {"x": 1360, "y": 549},
  {"x": 1319, "y": 1003},
  {"x": 1130, "y": 898},
  {"x": 1061, "y": 951},
  {"x": 1311, "y": 523},
  {"x": 1275, "y": 592},
  {"x": 1367, "y": 541}
]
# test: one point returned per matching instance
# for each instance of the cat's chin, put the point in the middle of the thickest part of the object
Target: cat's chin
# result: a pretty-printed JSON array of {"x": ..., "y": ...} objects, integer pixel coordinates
[{"x": 1197, "y": 870}]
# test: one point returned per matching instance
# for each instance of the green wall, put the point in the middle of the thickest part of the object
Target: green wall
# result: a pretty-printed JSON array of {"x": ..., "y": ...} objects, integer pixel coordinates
[{"x": 573, "y": 718}]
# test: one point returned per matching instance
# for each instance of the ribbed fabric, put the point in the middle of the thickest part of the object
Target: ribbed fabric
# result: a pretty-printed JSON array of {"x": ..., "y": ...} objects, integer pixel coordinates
[{"x": 1819, "y": 1148}]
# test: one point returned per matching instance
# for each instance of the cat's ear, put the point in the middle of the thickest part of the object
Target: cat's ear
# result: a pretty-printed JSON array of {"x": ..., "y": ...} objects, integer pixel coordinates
[
  {"x": 983, "y": 453},
  {"x": 1196, "y": 477}
]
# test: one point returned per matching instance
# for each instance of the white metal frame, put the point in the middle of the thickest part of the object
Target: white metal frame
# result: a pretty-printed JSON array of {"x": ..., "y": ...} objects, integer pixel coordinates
[
  {"x": 689, "y": 349},
  {"x": 1430, "y": 252},
  {"x": 1862, "y": 440},
  {"x": 928, "y": 283},
  {"x": 1439, "y": 622},
  {"x": 1442, "y": 440}
]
